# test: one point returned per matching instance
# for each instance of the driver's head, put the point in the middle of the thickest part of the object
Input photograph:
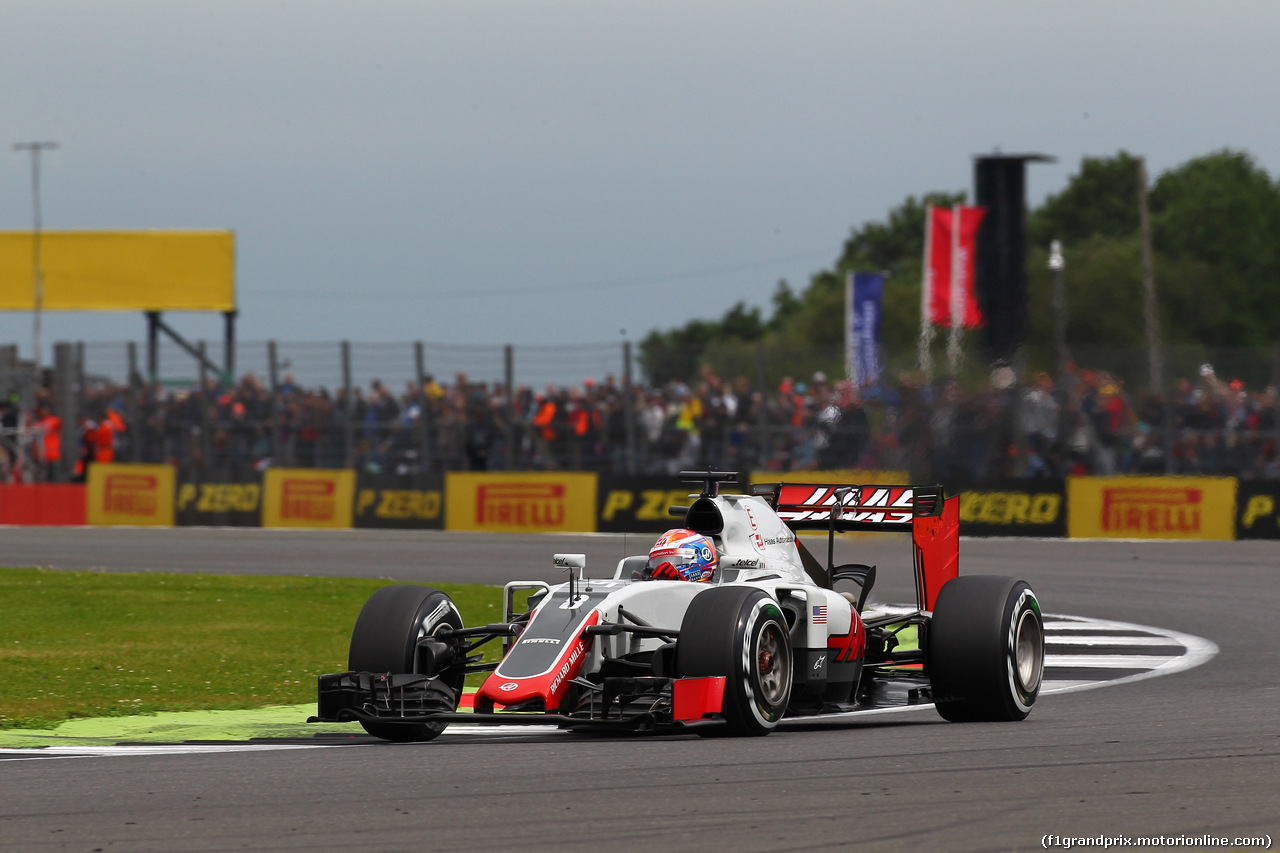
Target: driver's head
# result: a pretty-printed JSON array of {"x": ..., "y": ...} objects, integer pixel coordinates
[{"x": 682, "y": 555}]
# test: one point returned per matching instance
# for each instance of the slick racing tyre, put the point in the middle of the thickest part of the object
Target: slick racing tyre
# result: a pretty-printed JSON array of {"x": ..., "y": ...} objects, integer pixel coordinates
[
  {"x": 985, "y": 649},
  {"x": 740, "y": 633},
  {"x": 385, "y": 639}
]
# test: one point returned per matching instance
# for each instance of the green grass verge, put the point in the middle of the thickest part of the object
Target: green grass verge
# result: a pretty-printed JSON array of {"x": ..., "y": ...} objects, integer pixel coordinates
[{"x": 99, "y": 644}]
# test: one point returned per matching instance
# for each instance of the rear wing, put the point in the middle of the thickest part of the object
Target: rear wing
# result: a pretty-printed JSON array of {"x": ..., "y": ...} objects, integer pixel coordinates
[
  {"x": 932, "y": 519},
  {"x": 810, "y": 506}
]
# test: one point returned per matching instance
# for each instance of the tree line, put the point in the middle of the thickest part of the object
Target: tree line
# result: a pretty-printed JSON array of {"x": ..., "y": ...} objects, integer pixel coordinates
[{"x": 1215, "y": 225}]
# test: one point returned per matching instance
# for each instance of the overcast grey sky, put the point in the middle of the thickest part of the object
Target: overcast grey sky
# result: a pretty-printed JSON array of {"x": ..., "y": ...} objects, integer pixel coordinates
[{"x": 545, "y": 172}]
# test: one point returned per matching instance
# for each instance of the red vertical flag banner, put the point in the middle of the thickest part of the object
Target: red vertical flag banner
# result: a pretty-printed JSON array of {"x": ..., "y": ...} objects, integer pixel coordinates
[
  {"x": 970, "y": 218},
  {"x": 938, "y": 272},
  {"x": 951, "y": 257}
]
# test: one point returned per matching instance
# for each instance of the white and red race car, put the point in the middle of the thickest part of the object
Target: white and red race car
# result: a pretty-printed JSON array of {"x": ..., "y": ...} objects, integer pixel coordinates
[{"x": 772, "y": 634}]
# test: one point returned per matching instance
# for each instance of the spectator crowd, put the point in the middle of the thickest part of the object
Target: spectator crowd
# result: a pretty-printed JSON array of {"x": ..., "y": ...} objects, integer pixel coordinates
[{"x": 1085, "y": 422}]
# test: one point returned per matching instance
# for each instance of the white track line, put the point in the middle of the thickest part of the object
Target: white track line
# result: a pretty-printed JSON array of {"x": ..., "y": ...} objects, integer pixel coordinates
[
  {"x": 1102, "y": 640},
  {"x": 1196, "y": 650},
  {"x": 1105, "y": 661},
  {"x": 157, "y": 749}
]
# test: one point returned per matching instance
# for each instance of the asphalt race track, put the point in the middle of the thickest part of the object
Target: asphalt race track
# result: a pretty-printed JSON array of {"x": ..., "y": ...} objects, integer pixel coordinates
[{"x": 1193, "y": 753}]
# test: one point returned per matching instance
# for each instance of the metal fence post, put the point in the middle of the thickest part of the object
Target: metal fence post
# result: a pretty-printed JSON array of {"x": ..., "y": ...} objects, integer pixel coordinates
[
  {"x": 424, "y": 412},
  {"x": 628, "y": 408},
  {"x": 229, "y": 345},
  {"x": 206, "y": 402},
  {"x": 1275, "y": 403},
  {"x": 277, "y": 411},
  {"x": 508, "y": 375},
  {"x": 153, "y": 347},
  {"x": 349, "y": 408},
  {"x": 66, "y": 404},
  {"x": 763, "y": 415},
  {"x": 137, "y": 397}
]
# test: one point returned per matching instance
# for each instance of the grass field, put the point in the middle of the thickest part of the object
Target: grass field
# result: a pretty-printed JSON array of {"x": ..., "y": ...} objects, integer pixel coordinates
[{"x": 95, "y": 644}]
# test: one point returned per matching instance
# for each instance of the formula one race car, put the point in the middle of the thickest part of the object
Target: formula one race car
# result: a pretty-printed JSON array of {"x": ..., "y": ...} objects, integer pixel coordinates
[{"x": 766, "y": 636}]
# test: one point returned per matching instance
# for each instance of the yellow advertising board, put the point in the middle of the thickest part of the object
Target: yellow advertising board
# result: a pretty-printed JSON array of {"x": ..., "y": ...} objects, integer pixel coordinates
[
  {"x": 520, "y": 502},
  {"x": 850, "y": 476},
  {"x": 120, "y": 271},
  {"x": 136, "y": 495},
  {"x": 307, "y": 497},
  {"x": 1151, "y": 507}
]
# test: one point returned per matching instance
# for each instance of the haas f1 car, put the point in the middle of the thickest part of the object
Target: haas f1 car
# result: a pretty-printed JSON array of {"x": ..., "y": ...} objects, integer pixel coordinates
[{"x": 767, "y": 636}]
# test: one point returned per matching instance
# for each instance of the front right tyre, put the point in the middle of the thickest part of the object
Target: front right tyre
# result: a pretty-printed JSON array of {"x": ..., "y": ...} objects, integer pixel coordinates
[{"x": 739, "y": 632}]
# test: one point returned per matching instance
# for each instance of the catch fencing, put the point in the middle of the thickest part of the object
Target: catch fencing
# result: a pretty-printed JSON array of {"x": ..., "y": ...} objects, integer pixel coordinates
[{"x": 418, "y": 410}]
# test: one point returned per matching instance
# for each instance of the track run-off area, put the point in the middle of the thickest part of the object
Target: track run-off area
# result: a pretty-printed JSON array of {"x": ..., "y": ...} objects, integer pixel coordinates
[{"x": 1183, "y": 740}]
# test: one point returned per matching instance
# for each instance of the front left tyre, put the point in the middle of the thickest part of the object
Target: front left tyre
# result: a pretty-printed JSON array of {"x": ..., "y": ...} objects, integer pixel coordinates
[{"x": 385, "y": 639}]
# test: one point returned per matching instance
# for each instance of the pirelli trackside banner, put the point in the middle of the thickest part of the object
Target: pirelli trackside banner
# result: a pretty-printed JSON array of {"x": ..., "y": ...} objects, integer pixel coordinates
[
  {"x": 399, "y": 502},
  {"x": 1258, "y": 509},
  {"x": 219, "y": 499},
  {"x": 639, "y": 504},
  {"x": 1015, "y": 507},
  {"x": 1151, "y": 507},
  {"x": 520, "y": 502},
  {"x": 307, "y": 497},
  {"x": 119, "y": 494}
]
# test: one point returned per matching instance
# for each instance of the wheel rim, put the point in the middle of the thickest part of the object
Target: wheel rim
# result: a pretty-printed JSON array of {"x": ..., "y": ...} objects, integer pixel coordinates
[
  {"x": 1028, "y": 650},
  {"x": 773, "y": 664}
]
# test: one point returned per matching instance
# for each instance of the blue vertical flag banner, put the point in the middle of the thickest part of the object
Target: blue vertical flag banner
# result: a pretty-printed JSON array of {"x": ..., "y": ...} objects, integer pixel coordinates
[{"x": 863, "y": 292}]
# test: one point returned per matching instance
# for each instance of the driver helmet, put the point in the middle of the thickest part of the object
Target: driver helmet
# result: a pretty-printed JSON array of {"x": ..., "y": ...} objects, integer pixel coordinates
[{"x": 682, "y": 554}]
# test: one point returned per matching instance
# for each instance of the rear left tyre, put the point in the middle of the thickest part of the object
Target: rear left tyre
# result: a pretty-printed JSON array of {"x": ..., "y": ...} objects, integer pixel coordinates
[
  {"x": 985, "y": 649},
  {"x": 741, "y": 634},
  {"x": 385, "y": 639}
]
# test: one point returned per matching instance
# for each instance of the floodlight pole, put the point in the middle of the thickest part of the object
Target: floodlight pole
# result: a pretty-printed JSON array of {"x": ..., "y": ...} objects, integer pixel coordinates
[
  {"x": 36, "y": 275},
  {"x": 1057, "y": 264}
]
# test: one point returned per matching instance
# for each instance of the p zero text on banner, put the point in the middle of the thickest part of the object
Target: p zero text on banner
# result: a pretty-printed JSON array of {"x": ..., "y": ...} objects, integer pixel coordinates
[
  {"x": 307, "y": 497},
  {"x": 122, "y": 494},
  {"x": 521, "y": 502},
  {"x": 1015, "y": 507},
  {"x": 399, "y": 502},
  {"x": 639, "y": 504},
  {"x": 1258, "y": 509},
  {"x": 219, "y": 499},
  {"x": 1151, "y": 507}
]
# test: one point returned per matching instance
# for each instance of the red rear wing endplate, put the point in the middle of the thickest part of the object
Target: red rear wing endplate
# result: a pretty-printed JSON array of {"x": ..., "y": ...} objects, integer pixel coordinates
[{"x": 936, "y": 541}]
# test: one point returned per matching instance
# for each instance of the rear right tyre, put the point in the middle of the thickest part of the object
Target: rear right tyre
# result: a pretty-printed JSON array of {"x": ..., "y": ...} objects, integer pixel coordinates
[{"x": 985, "y": 649}]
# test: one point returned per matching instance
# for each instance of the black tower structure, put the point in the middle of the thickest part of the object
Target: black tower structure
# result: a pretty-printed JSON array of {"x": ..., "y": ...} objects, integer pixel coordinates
[{"x": 1000, "y": 274}]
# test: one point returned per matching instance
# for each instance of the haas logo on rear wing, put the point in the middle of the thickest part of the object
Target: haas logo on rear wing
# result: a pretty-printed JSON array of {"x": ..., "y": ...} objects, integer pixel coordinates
[{"x": 807, "y": 505}]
